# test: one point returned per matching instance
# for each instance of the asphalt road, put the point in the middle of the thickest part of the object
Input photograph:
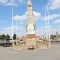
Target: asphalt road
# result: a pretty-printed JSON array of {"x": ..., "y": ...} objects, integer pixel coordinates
[{"x": 52, "y": 53}]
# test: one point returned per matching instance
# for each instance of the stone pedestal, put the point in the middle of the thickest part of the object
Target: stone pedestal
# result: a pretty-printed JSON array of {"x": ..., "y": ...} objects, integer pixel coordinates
[{"x": 32, "y": 42}]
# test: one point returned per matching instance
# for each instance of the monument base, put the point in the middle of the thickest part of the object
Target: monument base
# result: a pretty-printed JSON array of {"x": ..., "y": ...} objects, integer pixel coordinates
[
  {"x": 31, "y": 42},
  {"x": 31, "y": 36}
]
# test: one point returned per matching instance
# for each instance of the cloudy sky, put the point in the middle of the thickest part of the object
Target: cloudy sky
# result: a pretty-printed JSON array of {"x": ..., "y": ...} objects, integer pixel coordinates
[{"x": 19, "y": 14}]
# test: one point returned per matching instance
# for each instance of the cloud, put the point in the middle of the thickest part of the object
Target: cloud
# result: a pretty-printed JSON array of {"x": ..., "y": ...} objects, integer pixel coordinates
[
  {"x": 53, "y": 31},
  {"x": 57, "y": 21},
  {"x": 12, "y": 2},
  {"x": 3, "y": 1},
  {"x": 42, "y": 31},
  {"x": 10, "y": 28},
  {"x": 51, "y": 17},
  {"x": 14, "y": 28},
  {"x": 22, "y": 1},
  {"x": 20, "y": 18},
  {"x": 54, "y": 4},
  {"x": 37, "y": 16}
]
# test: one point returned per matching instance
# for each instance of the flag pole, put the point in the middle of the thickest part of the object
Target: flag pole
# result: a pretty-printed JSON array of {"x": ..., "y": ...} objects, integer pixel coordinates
[
  {"x": 48, "y": 25},
  {"x": 12, "y": 27},
  {"x": 16, "y": 30}
]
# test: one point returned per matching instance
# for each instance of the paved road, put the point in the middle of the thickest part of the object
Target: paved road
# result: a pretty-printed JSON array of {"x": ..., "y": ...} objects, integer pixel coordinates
[{"x": 52, "y": 53}]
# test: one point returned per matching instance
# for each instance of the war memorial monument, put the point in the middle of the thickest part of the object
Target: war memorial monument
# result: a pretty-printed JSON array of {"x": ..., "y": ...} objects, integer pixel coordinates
[{"x": 31, "y": 40}]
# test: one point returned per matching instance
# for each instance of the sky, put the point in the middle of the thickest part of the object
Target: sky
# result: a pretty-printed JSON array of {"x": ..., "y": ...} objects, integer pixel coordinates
[{"x": 19, "y": 14}]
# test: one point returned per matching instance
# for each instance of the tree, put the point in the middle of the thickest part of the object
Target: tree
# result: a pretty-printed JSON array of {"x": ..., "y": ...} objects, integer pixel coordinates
[
  {"x": 2, "y": 36},
  {"x": 7, "y": 37},
  {"x": 14, "y": 37},
  {"x": 52, "y": 36}
]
